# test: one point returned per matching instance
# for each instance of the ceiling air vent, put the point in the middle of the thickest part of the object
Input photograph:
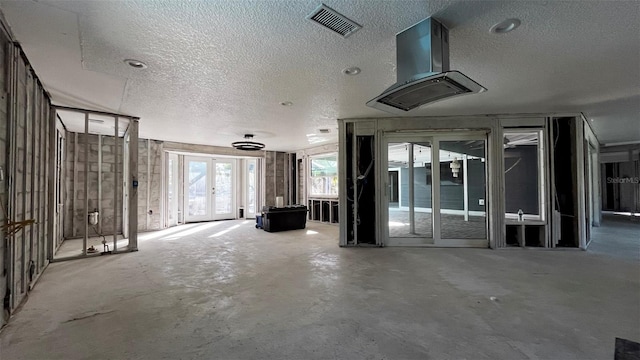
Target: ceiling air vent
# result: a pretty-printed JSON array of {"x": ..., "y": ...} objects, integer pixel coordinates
[{"x": 334, "y": 21}]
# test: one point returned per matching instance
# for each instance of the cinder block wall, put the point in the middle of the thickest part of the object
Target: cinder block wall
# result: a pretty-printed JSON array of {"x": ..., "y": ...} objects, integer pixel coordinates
[
  {"x": 102, "y": 200},
  {"x": 275, "y": 173},
  {"x": 150, "y": 184}
]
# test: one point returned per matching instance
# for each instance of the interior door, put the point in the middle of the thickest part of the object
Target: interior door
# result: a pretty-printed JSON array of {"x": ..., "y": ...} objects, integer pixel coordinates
[{"x": 209, "y": 189}]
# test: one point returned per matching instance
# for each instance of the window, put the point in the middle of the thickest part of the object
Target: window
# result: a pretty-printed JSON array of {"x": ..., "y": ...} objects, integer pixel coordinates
[
  {"x": 324, "y": 175},
  {"x": 524, "y": 175}
]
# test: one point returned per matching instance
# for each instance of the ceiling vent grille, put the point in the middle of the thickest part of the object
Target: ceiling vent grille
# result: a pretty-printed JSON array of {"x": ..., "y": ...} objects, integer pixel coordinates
[{"x": 334, "y": 21}]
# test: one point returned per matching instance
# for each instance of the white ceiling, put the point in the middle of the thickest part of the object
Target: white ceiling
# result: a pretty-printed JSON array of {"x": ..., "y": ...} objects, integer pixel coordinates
[{"x": 220, "y": 69}]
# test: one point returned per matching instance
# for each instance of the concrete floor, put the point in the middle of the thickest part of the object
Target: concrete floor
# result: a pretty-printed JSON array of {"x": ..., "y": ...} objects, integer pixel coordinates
[
  {"x": 73, "y": 247},
  {"x": 226, "y": 290}
]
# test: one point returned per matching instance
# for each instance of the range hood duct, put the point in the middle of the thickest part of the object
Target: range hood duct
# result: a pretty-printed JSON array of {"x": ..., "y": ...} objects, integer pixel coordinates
[{"x": 423, "y": 75}]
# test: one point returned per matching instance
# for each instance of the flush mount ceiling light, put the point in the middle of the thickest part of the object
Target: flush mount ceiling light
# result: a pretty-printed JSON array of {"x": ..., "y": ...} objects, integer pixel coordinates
[
  {"x": 135, "y": 63},
  {"x": 247, "y": 144},
  {"x": 505, "y": 26},
  {"x": 354, "y": 70}
]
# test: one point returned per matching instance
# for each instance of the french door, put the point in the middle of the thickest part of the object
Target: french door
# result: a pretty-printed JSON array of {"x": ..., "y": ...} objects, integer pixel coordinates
[
  {"x": 209, "y": 189},
  {"x": 435, "y": 190}
]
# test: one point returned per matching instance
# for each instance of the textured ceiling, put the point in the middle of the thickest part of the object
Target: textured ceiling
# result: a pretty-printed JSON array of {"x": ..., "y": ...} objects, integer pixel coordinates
[{"x": 219, "y": 69}]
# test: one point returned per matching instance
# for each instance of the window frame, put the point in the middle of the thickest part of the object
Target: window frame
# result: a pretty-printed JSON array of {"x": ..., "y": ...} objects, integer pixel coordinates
[
  {"x": 541, "y": 175},
  {"x": 329, "y": 185}
]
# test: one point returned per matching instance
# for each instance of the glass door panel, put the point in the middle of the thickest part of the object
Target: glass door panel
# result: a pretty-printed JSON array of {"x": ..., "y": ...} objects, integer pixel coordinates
[
  {"x": 223, "y": 190},
  {"x": 422, "y": 190},
  {"x": 197, "y": 189},
  {"x": 410, "y": 193},
  {"x": 251, "y": 188},
  {"x": 462, "y": 189}
]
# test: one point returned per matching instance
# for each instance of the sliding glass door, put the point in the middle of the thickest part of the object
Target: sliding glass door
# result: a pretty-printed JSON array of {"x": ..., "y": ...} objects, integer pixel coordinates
[
  {"x": 462, "y": 190},
  {"x": 436, "y": 190}
]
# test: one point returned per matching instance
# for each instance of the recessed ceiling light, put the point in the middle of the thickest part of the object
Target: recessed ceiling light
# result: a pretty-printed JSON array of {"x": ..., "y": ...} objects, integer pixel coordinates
[
  {"x": 135, "y": 63},
  {"x": 505, "y": 26},
  {"x": 286, "y": 103},
  {"x": 354, "y": 70}
]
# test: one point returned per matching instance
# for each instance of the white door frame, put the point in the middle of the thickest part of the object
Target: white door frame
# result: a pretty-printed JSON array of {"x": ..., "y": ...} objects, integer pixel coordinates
[
  {"x": 210, "y": 199},
  {"x": 172, "y": 166},
  {"x": 233, "y": 211}
]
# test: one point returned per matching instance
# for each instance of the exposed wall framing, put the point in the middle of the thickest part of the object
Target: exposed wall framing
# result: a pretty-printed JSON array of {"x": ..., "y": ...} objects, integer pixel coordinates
[
  {"x": 579, "y": 144},
  {"x": 24, "y": 176},
  {"x": 94, "y": 163}
]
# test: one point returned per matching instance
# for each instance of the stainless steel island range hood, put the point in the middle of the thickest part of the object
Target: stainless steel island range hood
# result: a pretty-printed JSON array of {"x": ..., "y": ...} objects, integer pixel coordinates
[{"x": 423, "y": 75}]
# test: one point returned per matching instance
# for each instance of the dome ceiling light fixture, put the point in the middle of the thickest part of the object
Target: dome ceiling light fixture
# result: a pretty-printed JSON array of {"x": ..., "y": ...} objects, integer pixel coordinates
[{"x": 247, "y": 144}]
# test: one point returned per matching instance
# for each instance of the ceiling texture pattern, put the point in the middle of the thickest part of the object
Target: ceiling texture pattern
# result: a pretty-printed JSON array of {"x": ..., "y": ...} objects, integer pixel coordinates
[{"x": 220, "y": 69}]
